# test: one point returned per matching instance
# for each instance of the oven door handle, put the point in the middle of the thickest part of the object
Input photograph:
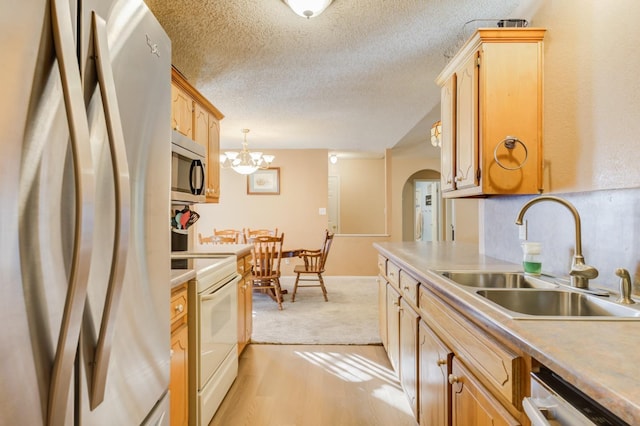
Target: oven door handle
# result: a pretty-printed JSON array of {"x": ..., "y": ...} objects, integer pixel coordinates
[{"x": 209, "y": 296}]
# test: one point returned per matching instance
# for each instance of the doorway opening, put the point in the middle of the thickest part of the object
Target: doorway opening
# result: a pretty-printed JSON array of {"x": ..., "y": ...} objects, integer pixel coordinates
[{"x": 426, "y": 216}]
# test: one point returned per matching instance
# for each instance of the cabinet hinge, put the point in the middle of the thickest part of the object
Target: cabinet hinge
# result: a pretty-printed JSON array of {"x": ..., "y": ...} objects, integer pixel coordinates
[
  {"x": 478, "y": 174},
  {"x": 478, "y": 62}
]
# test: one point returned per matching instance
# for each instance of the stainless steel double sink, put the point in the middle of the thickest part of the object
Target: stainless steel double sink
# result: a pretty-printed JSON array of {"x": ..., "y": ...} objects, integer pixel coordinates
[{"x": 525, "y": 297}]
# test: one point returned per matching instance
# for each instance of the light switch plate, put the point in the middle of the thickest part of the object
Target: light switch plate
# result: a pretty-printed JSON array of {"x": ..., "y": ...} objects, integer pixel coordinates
[
  {"x": 322, "y": 211},
  {"x": 522, "y": 231}
]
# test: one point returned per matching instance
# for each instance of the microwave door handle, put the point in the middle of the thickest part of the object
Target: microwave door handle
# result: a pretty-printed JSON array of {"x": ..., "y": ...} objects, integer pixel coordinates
[
  {"x": 122, "y": 229},
  {"x": 66, "y": 349},
  {"x": 192, "y": 169},
  {"x": 201, "y": 167}
]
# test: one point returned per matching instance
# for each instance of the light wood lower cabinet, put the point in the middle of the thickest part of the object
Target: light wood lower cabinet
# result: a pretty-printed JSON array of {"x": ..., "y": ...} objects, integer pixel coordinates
[
  {"x": 382, "y": 309},
  {"x": 245, "y": 303},
  {"x": 472, "y": 404},
  {"x": 409, "y": 354},
  {"x": 393, "y": 326},
  {"x": 179, "y": 370},
  {"x": 434, "y": 365},
  {"x": 454, "y": 372}
]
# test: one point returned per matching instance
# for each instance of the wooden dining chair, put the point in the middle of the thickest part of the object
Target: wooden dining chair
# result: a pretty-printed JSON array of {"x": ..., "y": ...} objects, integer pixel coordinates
[
  {"x": 265, "y": 271},
  {"x": 250, "y": 234},
  {"x": 313, "y": 267},
  {"x": 206, "y": 240},
  {"x": 227, "y": 236}
]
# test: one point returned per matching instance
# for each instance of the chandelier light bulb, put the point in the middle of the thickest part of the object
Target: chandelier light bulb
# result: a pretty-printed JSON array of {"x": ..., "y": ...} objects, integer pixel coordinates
[{"x": 245, "y": 162}]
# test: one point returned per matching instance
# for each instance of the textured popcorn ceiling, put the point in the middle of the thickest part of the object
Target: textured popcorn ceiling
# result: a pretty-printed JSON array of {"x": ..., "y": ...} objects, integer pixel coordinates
[{"x": 360, "y": 77}]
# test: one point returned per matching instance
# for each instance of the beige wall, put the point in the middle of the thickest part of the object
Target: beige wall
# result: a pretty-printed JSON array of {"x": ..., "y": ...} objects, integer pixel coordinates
[
  {"x": 362, "y": 200},
  {"x": 592, "y": 95},
  {"x": 303, "y": 191}
]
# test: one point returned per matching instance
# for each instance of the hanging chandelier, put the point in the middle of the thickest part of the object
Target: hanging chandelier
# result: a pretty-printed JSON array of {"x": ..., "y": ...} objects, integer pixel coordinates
[
  {"x": 308, "y": 8},
  {"x": 245, "y": 162}
]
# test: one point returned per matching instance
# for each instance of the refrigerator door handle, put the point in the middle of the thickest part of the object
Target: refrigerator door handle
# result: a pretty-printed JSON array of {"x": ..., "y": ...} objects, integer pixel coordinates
[
  {"x": 123, "y": 211},
  {"x": 63, "y": 363}
]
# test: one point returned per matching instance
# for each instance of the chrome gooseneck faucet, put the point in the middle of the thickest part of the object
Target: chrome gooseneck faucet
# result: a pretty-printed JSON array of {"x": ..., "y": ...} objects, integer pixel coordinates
[{"x": 580, "y": 272}]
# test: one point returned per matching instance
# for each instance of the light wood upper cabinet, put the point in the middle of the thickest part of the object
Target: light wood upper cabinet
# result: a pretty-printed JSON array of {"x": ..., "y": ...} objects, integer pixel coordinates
[
  {"x": 207, "y": 134},
  {"x": 181, "y": 111},
  {"x": 447, "y": 150},
  {"x": 195, "y": 117},
  {"x": 492, "y": 107},
  {"x": 213, "y": 153}
]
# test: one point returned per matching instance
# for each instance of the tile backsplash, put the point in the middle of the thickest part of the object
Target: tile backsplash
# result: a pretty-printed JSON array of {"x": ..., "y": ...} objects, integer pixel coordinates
[{"x": 610, "y": 232}]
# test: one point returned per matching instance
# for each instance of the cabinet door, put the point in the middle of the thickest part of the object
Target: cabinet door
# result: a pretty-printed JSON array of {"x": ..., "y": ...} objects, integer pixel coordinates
[
  {"x": 393, "y": 326},
  {"x": 448, "y": 137},
  {"x": 409, "y": 354},
  {"x": 181, "y": 111},
  {"x": 434, "y": 364},
  {"x": 382, "y": 310},
  {"x": 200, "y": 125},
  {"x": 472, "y": 404},
  {"x": 213, "y": 156},
  {"x": 242, "y": 339},
  {"x": 467, "y": 124},
  {"x": 178, "y": 386}
]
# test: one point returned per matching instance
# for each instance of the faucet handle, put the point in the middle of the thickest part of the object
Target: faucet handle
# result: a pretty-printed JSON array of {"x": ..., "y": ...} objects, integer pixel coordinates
[
  {"x": 625, "y": 287},
  {"x": 583, "y": 271}
]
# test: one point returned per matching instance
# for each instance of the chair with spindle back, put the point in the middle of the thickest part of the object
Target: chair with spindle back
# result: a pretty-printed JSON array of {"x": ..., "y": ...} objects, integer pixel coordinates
[
  {"x": 250, "y": 234},
  {"x": 227, "y": 236},
  {"x": 206, "y": 240},
  {"x": 265, "y": 271},
  {"x": 314, "y": 262}
]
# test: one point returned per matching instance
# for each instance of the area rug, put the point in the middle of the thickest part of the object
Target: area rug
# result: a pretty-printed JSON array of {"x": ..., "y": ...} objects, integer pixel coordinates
[{"x": 350, "y": 317}]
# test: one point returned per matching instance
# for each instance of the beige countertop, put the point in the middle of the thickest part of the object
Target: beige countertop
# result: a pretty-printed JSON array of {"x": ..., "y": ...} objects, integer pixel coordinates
[
  {"x": 598, "y": 357},
  {"x": 178, "y": 276}
]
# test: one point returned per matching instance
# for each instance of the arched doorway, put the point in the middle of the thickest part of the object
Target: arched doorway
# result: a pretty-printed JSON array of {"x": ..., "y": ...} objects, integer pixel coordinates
[{"x": 426, "y": 216}]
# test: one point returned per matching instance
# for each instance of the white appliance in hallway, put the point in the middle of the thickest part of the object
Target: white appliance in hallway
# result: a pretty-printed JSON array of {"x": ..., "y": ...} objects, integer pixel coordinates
[
  {"x": 84, "y": 189},
  {"x": 213, "y": 335},
  {"x": 427, "y": 210}
]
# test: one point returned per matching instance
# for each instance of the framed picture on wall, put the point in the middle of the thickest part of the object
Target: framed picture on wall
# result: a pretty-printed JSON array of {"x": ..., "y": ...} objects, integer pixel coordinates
[{"x": 264, "y": 182}]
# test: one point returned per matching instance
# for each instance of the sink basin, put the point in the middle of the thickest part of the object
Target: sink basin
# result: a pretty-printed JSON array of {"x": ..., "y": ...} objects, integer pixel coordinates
[
  {"x": 558, "y": 303},
  {"x": 485, "y": 279}
]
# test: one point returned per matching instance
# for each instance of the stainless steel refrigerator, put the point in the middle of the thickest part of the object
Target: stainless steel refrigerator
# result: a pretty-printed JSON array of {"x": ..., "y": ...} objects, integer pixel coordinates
[{"x": 84, "y": 207}]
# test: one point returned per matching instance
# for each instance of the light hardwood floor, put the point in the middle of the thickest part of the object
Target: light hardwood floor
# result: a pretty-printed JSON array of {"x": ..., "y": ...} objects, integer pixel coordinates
[{"x": 308, "y": 385}]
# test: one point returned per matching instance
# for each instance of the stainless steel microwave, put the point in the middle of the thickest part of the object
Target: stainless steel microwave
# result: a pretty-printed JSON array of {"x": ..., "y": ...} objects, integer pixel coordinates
[{"x": 188, "y": 170}]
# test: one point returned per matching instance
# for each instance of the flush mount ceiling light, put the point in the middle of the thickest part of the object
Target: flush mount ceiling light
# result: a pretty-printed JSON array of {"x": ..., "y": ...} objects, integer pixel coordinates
[
  {"x": 436, "y": 134},
  {"x": 333, "y": 158},
  {"x": 308, "y": 8},
  {"x": 245, "y": 162}
]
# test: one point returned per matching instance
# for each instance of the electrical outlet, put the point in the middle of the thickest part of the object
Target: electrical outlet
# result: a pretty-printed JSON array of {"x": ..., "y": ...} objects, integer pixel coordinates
[
  {"x": 286, "y": 261},
  {"x": 522, "y": 230}
]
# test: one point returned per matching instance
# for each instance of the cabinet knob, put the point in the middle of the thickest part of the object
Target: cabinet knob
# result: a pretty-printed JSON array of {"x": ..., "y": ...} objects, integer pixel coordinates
[
  {"x": 459, "y": 178},
  {"x": 179, "y": 308},
  {"x": 454, "y": 379},
  {"x": 442, "y": 362},
  {"x": 449, "y": 181}
]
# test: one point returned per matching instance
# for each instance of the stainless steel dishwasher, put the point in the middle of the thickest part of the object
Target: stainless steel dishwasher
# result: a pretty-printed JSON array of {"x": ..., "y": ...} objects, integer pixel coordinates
[{"x": 554, "y": 402}]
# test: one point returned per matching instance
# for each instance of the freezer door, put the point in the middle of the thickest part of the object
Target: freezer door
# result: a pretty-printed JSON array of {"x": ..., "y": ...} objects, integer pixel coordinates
[
  {"x": 137, "y": 361},
  {"x": 28, "y": 336}
]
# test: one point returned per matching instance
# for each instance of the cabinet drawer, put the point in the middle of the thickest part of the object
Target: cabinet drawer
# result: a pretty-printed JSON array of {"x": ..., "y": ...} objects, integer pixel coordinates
[
  {"x": 496, "y": 366},
  {"x": 382, "y": 265},
  {"x": 393, "y": 274},
  {"x": 178, "y": 304},
  {"x": 409, "y": 287}
]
